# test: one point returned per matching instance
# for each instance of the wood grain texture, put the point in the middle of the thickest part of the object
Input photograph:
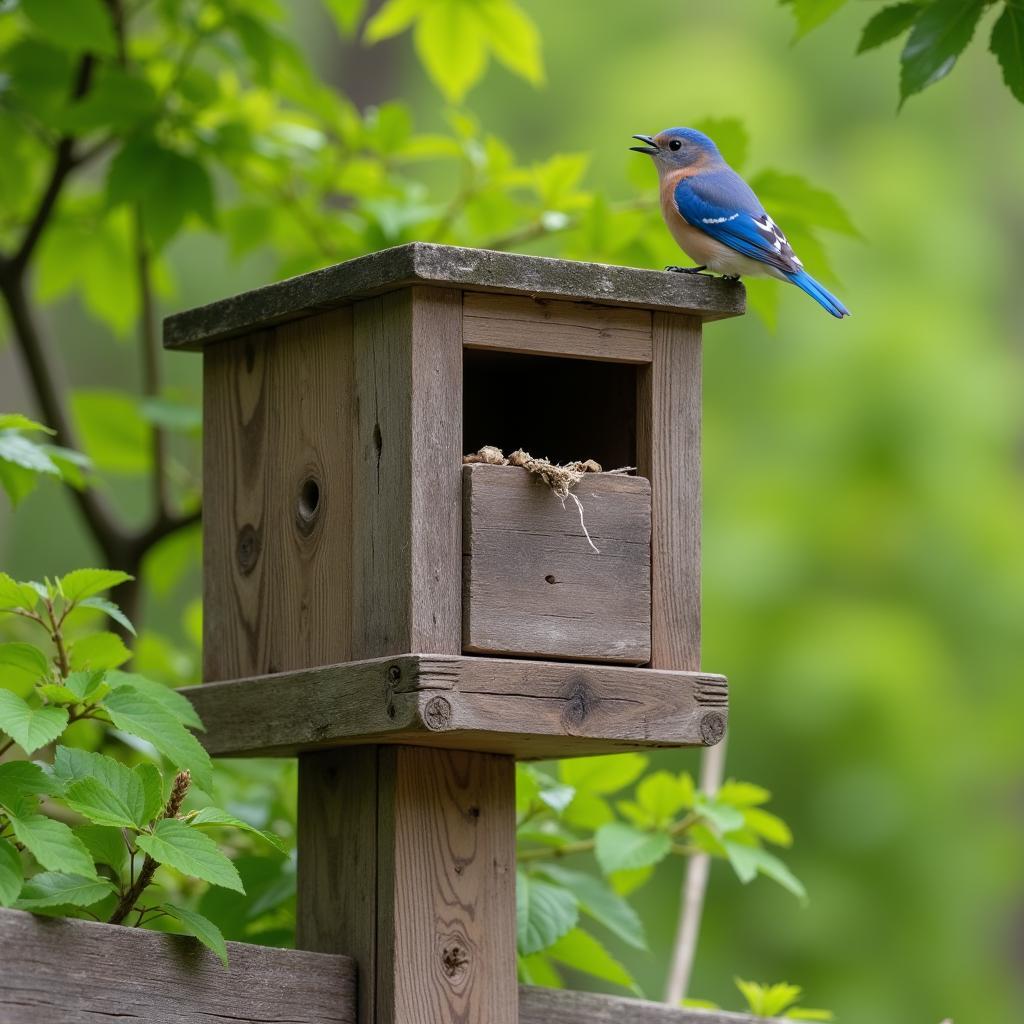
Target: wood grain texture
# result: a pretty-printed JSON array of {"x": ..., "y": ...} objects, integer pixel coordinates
[
  {"x": 278, "y": 412},
  {"x": 452, "y": 899},
  {"x": 579, "y": 330},
  {"x": 532, "y": 585},
  {"x": 563, "y": 1006},
  {"x": 529, "y": 709},
  {"x": 406, "y": 488},
  {"x": 449, "y": 266},
  {"x": 60, "y": 971},
  {"x": 668, "y": 454}
]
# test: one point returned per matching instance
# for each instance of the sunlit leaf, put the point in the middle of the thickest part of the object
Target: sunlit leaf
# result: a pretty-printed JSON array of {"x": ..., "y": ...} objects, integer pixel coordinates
[
  {"x": 812, "y": 13},
  {"x": 620, "y": 847},
  {"x": 346, "y": 13},
  {"x": 83, "y": 583},
  {"x": 605, "y": 774},
  {"x": 749, "y": 861},
  {"x": 53, "y": 844},
  {"x": 98, "y": 651},
  {"x": 30, "y": 727},
  {"x": 21, "y": 667},
  {"x": 187, "y": 850},
  {"x": 582, "y": 952},
  {"x": 451, "y": 42}
]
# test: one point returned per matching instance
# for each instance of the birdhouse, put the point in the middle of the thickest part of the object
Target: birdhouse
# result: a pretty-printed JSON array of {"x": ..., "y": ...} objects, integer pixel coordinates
[{"x": 408, "y": 625}]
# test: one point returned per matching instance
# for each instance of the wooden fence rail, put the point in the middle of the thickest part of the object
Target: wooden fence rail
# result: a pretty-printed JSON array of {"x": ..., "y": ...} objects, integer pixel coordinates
[{"x": 62, "y": 971}]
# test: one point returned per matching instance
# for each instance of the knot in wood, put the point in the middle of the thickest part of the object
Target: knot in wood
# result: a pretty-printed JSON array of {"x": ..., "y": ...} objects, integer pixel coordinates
[
  {"x": 247, "y": 550},
  {"x": 307, "y": 506},
  {"x": 437, "y": 715},
  {"x": 579, "y": 702},
  {"x": 712, "y": 728},
  {"x": 454, "y": 960}
]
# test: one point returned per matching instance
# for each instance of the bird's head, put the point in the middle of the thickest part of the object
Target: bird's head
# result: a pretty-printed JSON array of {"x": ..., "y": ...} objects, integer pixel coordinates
[{"x": 678, "y": 147}]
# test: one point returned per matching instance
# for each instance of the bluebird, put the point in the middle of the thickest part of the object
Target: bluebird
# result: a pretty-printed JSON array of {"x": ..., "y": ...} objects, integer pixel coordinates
[{"x": 717, "y": 220}]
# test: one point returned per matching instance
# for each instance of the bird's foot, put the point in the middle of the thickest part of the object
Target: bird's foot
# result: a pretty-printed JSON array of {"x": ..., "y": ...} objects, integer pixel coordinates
[
  {"x": 686, "y": 270},
  {"x": 730, "y": 277}
]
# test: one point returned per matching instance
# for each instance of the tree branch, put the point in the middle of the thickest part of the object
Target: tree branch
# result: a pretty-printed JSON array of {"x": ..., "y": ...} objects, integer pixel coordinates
[
  {"x": 695, "y": 884},
  {"x": 149, "y": 350}
]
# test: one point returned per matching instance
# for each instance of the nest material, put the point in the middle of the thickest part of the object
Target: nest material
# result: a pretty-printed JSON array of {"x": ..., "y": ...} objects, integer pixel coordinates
[{"x": 560, "y": 478}]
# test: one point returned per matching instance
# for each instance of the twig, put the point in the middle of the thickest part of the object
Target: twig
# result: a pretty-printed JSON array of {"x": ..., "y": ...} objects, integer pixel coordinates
[
  {"x": 544, "y": 852},
  {"x": 695, "y": 884},
  {"x": 131, "y": 895}
]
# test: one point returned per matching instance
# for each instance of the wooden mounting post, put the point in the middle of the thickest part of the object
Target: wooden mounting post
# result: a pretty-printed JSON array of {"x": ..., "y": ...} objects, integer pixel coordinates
[{"x": 337, "y": 408}]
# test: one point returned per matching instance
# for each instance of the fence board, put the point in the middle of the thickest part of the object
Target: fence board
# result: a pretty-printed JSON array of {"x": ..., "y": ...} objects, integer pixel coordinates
[{"x": 60, "y": 971}]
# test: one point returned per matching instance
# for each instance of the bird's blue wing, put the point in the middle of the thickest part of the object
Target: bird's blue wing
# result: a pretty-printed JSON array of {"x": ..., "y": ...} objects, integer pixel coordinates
[{"x": 723, "y": 205}]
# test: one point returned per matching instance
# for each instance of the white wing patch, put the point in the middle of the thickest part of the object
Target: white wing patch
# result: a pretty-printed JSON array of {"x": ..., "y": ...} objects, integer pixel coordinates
[
  {"x": 772, "y": 234},
  {"x": 718, "y": 220}
]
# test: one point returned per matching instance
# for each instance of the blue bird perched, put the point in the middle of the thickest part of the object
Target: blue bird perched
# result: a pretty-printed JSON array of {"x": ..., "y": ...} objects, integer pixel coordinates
[{"x": 717, "y": 220}]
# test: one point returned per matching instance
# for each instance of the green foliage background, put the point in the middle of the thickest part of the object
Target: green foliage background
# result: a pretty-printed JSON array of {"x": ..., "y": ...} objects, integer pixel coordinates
[{"x": 864, "y": 550}]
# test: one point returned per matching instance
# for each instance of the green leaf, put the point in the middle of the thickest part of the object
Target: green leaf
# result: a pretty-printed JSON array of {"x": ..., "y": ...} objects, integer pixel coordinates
[
  {"x": 25, "y": 453},
  {"x": 187, "y": 850},
  {"x": 588, "y": 811},
  {"x": 742, "y": 794},
  {"x": 626, "y": 882},
  {"x": 214, "y": 816},
  {"x": 171, "y": 415},
  {"x": 749, "y": 861},
  {"x": 663, "y": 795},
  {"x": 812, "y": 13},
  {"x": 17, "y": 595},
  {"x": 346, "y": 14},
  {"x": 886, "y": 24},
  {"x": 722, "y": 816},
  {"x": 731, "y": 137},
  {"x": 768, "y": 826},
  {"x": 794, "y": 199},
  {"x": 177, "y": 704},
  {"x": 1008, "y": 46},
  {"x": 76, "y": 25},
  {"x": 104, "y": 790},
  {"x": 105, "y": 844},
  {"x": 201, "y": 927},
  {"x": 938, "y": 37},
  {"x": 108, "y": 608},
  {"x": 15, "y": 421},
  {"x": 582, "y": 952},
  {"x": 514, "y": 39},
  {"x": 138, "y": 713},
  {"x": 152, "y": 790},
  {"x": 11, "y": 875},
  {"x": 31, "y": 728},
  {"x": 83, "y": 583},
  {"x": 21, "y": 782},
  {"x": 114, "y": 435},
  {"x": 604, "y": 775},
  {"x": 394, "y": 17},
  {"x": 77, "y": 688},
  {"x": 98, "y": 651},
  {"x": 599, "y": 902},
  {"x": 806, "y": 1013},
  {"x": 451, "y": 42},
  {"x": 53, "y": 844},
  {"x": 537, "y": 969},
  {"x": 101, "y": 805},
  {"x": 21, "y": 666},
  {"x": 55, "y": 889},
  {"x": 544, "y": 913},
  {"x": 167, "y": 185},
  {"x": 621, "y": 847}
]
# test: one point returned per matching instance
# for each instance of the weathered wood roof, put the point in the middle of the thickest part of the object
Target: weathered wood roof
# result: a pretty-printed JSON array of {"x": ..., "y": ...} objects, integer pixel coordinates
[{"x": 451, "y": 266}]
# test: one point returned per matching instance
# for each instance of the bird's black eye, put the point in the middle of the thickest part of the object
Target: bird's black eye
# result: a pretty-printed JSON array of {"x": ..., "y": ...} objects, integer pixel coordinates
[{"x": 675, "y": 144}]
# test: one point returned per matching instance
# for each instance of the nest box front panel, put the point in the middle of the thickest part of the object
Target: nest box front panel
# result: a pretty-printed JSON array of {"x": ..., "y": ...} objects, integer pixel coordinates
[{"x": 534, "y": 584}]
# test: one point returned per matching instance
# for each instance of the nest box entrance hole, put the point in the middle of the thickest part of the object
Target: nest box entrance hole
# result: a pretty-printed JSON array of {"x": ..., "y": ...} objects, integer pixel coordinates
[{"x": 561, "y": 409}]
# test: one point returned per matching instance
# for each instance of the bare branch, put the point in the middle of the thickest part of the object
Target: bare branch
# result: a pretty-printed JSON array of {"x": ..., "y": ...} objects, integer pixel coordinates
[{"x": 695, "y": 885}]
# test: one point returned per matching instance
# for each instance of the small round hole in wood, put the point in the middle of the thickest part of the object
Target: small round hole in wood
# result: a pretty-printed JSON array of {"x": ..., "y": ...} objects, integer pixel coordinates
[
  {"x": 307, "y": 509},
  {"x": 550, "y": 579}
]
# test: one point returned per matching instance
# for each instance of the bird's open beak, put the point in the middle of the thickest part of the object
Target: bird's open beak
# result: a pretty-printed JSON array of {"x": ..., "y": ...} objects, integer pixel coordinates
[{"x": 650, "y": 149}]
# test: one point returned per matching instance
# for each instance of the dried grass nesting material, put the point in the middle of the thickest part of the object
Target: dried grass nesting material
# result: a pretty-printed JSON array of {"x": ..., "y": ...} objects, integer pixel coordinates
[{"x": 560, "y": 478}]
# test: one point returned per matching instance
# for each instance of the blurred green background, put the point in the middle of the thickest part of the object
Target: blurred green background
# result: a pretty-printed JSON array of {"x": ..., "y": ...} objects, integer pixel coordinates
[{"x": 864, "y": 501}]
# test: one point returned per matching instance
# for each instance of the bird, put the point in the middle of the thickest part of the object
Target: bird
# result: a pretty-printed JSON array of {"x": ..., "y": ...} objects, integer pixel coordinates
[{"x": 716, "y": 218}]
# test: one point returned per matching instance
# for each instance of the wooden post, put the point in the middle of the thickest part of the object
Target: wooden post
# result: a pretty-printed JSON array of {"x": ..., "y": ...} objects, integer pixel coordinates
[{"x": 333, "y": 547}]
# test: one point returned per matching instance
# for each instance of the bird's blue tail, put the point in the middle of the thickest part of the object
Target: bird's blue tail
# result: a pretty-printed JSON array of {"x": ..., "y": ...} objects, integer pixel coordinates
[{"x": 821, "y": 295}]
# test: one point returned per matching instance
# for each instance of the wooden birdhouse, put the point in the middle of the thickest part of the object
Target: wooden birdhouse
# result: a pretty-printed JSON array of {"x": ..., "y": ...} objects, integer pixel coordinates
[{"x": 408, "y": 626}]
